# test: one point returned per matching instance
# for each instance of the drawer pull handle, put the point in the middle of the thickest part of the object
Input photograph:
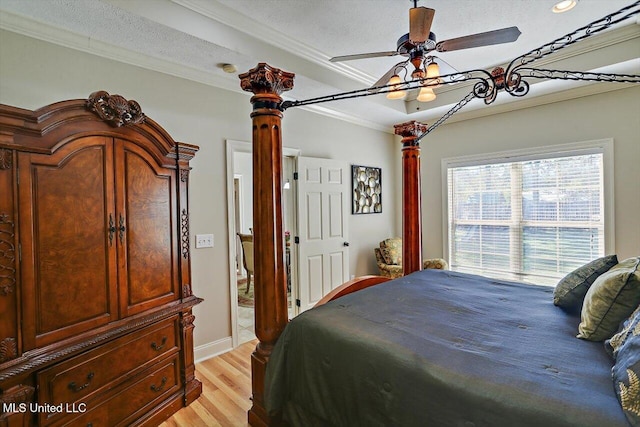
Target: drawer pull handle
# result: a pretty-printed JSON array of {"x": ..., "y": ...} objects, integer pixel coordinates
[
  {"x": 160, "y": 387},
  {"x": 74, "y": 387},
  {"x": 157, "y": 347}
]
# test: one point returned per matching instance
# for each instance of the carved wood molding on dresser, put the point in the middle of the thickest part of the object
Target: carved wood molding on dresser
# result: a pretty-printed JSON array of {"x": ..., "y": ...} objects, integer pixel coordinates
[
  {"x": 7, "y": 256},
  {"x": 6, "y": 159},
  {"x": 95, "y": 274},
  {"x": 115, "y": 109}
]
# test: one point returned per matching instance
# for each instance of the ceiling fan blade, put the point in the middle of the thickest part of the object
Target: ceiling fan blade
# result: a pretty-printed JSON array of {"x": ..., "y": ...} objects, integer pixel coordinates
[
  {"x": 420, "y": 19},
  {"x": 385, "y": 78},
  {"x": 504, "y": 35},
  {"x": 363, "y": 56}
]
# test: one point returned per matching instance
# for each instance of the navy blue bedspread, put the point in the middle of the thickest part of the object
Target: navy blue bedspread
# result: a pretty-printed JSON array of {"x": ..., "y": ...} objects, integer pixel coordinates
[{"x": 440, "y": 348}]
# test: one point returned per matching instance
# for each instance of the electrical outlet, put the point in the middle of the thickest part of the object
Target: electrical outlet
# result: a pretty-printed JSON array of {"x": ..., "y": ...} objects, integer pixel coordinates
[{"x": 204, "y": 241}]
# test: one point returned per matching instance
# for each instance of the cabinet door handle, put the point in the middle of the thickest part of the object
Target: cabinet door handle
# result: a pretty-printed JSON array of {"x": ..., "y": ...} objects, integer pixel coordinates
[
  {"x": 160, "y": 387},
  {"x": 111, "y": 229},
  {"x": 157, "y": 347},
  {"x": 121, "y": 229},
  {"x": 74, "y": 387}
]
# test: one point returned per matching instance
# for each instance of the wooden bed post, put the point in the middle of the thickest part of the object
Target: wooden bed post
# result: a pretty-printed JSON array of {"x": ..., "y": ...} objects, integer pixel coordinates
[
  {"x": 270, "y": 289},
  {"x": 411, "y": 196}
]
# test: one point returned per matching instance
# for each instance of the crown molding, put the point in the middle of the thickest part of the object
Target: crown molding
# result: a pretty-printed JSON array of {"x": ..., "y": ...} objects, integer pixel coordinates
[
  {"x": 65, "y": 38},
  {"x": 224, "y": 15},
  {"x": 346, "y": 117}
]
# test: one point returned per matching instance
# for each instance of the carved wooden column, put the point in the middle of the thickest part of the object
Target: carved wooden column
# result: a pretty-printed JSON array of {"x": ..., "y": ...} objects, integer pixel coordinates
[
  {"x": 267, "y": 83},
  {"x": 411, "y": 195},
  {"x": 192, "y": 386}
]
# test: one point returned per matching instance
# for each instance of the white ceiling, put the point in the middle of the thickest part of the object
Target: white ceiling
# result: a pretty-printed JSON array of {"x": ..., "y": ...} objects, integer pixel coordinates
[{"x": 192, "y": 38}]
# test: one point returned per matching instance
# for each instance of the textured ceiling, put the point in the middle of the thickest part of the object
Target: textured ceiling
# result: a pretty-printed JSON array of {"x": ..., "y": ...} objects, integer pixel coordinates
[
  {"x": 344, "y": 27},
  {"x": 191, "y": 38}
]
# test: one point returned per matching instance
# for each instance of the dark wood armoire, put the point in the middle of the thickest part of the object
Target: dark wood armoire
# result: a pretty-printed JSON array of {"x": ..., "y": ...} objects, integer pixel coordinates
[{"x": 96, "y": 323}]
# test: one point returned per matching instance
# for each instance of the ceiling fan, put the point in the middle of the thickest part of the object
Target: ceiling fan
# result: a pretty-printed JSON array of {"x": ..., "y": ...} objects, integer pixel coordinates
[{"x": 419, "y": 41}]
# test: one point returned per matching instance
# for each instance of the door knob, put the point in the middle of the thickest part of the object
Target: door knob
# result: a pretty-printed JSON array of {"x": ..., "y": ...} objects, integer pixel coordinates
[{"x": 345, "y": 244}]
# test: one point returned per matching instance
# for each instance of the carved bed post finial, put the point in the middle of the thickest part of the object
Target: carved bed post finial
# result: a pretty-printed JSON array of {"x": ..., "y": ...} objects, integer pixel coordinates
[
  {"x": 411, "y": 211},
  {"x": 267, "y": 83},
  {"x": 115, "y": 109}
]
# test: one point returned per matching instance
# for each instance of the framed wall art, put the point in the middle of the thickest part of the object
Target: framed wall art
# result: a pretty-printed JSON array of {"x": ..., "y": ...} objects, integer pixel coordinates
[{"x": 367, "y": 189}]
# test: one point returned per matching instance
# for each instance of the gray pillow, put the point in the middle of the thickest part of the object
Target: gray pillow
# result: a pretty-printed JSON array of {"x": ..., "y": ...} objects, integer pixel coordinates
[
  {"x": 631, "y": 326},
  {"x": 611, "y": 299},
  {"x": 626, "y": 371},
  {"x": 570, "y": 291}
]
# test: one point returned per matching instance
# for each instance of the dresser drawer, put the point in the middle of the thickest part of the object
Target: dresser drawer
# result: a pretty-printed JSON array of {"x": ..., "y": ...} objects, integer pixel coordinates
[
  {"x": 133, "y": 400},
  {"x": 81, "y": 378}
]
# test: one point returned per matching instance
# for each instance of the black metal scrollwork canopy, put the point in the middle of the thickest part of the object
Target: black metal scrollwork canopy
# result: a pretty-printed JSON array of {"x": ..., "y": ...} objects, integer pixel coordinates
[{"x": 513, "y": 80}]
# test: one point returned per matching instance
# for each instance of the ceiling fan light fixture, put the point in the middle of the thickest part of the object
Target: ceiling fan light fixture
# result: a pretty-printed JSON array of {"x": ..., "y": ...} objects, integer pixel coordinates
[
  {"x": 396, "y": 91},
  {"x": 426, "y": 94},
  {"x": 433, "y": 72},
  {"x": 564, "y": 6}
]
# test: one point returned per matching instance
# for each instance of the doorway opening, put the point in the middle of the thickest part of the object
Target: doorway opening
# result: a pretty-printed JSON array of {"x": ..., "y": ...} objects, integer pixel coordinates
[{"x": 240, "y": 226}]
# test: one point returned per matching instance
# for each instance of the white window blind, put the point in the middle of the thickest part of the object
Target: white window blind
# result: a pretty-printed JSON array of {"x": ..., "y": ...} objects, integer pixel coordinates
[{"x": 532, "y": 220}]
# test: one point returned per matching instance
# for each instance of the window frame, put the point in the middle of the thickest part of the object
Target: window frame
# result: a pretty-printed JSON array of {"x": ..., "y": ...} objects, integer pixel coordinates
[{"x": 603, "y": 146}]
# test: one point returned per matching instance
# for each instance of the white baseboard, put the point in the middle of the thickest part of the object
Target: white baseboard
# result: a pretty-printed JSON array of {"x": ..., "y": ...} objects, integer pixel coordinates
[{"x": 212, "y": 349}]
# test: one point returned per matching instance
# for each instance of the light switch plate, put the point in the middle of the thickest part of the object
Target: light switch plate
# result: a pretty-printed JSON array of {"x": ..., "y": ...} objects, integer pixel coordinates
[{"x": 204, "y": 241}]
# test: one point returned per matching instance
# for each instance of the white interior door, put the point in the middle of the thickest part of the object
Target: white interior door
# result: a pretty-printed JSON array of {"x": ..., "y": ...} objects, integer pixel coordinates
[{"x": 323, "y": 251}]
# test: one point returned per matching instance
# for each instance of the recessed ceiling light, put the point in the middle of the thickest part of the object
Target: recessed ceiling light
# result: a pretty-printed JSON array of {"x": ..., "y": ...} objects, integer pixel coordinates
[{"x": 564, "y": 5}]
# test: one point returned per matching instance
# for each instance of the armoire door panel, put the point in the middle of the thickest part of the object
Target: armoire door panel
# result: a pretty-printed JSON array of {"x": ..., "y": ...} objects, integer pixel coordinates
[
  {"x": 68, "y": 195},
  {"x": 146, "y": 198}
]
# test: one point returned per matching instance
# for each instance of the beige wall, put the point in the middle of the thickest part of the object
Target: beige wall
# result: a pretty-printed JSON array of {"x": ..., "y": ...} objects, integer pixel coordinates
[
  {"x": 610, "y": 115},
  {"x": 34, "y": 73}
]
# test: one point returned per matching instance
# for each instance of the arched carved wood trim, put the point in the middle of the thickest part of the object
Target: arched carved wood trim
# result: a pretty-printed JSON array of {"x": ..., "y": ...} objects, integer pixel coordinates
[{"x": 44, "y": 130}]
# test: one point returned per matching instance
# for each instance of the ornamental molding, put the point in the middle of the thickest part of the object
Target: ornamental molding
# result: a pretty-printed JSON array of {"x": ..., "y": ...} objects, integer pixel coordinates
[
  {"x": 8, "y": 349},
  {"x": 7, "y": 255},
  {"x": 115, "y": 109},
  {"x": 6, "y": 158},
  {"x": 265, "y": 79},
  {"x": 410, "y": 129},
  {"x": 184, "y": 230}
]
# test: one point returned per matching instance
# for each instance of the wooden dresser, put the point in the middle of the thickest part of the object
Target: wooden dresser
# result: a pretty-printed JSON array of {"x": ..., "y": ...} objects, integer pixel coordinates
[{"x": 96, "y": 323}]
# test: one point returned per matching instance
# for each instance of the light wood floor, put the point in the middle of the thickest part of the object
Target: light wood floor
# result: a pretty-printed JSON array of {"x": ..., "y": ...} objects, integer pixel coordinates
[{"x": 226, "y": 389}]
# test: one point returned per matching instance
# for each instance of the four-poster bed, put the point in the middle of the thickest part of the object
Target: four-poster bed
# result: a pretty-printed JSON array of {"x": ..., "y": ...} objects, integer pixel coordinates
[{"x": 539, "y": 403}]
